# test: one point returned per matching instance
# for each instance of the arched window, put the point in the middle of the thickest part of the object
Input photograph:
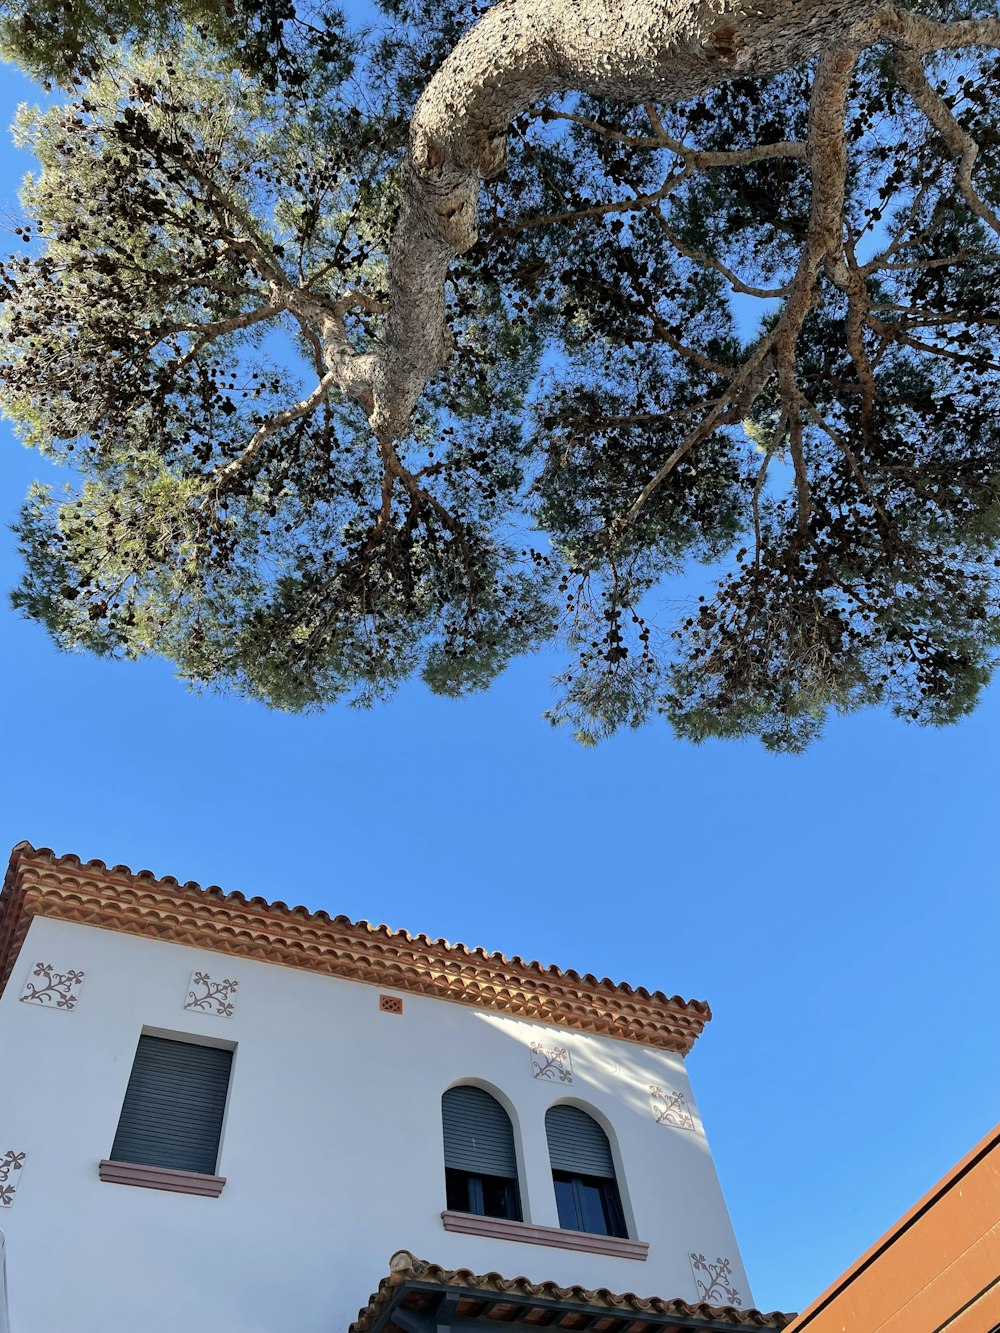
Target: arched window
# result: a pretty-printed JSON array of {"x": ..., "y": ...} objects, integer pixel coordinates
[
  {"x": 480, "y": 1165},
  {"x": 583, "y": 1173}
]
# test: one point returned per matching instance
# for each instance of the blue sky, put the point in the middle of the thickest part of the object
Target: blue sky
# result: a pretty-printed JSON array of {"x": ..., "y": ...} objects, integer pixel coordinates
[{"x": 839, "y": 910}]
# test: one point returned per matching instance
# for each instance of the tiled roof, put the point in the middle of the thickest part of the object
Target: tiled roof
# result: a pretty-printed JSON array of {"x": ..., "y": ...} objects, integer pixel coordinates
[
  {"x": 415, "y": 1286},
  {"x": 138, "y": 903}
]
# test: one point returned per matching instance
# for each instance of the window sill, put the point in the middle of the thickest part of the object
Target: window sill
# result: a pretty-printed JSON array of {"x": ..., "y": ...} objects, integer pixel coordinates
[
  {"x": 161, "y": 1178},
  {"x": 500, "y": 1228}
]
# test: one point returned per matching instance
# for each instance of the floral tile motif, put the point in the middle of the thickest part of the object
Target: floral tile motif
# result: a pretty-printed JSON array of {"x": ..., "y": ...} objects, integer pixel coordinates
[
  {"x": 208, "y": 995},
  {"x": 551, "y": 1062},
  {"x": 670, "y": 1108},
  {"x": 51, "y": 989},
  {"x": 713, "y": 1281},
  {"x": 11, "y": 1166}
]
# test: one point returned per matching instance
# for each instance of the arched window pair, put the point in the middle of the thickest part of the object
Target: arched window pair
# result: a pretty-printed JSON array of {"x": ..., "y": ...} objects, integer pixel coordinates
[{"x": 481, "y": 1164}]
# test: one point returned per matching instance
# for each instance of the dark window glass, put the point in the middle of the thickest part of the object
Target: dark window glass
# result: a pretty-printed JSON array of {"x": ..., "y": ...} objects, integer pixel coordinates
[
  {"x": 566, "y": 1202},
  {"x": 588, "y": 1203},
  {"x": 486, "y": 1196}
]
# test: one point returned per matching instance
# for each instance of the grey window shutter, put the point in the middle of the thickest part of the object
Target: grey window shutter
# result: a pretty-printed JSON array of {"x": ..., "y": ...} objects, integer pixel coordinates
[
  {"x": 478, "y": 1135},
  {"x": 577, "y": 1143},
  {"x": 174, "y": 1104}
]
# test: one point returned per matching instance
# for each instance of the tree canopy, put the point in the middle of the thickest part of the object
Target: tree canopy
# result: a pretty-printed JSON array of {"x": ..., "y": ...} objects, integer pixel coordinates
[{"x": 405, "y": 349}]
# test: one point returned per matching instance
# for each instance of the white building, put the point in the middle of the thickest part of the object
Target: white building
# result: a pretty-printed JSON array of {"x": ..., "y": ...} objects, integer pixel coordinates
[{"x": 227, "y": 1115}]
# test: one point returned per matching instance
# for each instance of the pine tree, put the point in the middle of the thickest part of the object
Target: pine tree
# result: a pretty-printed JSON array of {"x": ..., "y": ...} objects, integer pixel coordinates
[{"x": 382, "y": 353}]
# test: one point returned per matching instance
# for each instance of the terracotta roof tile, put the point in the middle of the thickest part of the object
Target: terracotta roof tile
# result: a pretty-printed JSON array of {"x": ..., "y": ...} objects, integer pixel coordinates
[
  {"x": 138, "y": 902},
  {"x": 648, "y": 1312}
]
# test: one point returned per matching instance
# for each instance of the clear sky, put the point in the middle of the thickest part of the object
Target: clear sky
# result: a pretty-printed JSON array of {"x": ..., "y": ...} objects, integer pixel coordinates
[{"x": 839, "y": 910}]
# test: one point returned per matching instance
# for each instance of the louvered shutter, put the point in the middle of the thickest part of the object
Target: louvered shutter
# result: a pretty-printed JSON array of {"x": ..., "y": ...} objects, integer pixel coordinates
[
  {"x": 174, "y": 1104},
  {"x": 577, "y": 1143},
  {"x": 478, "y": 1135}
]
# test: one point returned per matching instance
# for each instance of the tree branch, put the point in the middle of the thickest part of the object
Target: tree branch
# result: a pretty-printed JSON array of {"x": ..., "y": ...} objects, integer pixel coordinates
[
  {"x": 519, "y": 52},
  {"x": 629, "y": 205},
  {"x": 709, "y": 261},
  {"x": 207, "y": 332},
  {"x": 828, "y": 168},
  {"x": 959, "y": 142},
  {"x": 648, "y": 51},
  {"x": 223, "y": 478}
]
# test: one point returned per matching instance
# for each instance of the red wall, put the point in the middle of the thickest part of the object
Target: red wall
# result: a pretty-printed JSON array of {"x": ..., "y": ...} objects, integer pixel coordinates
[{"x": 936, "y": 1271}]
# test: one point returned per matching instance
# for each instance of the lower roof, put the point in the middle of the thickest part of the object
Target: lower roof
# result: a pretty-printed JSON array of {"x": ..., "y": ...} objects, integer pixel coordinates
[{"x": 420, "y": 1297}]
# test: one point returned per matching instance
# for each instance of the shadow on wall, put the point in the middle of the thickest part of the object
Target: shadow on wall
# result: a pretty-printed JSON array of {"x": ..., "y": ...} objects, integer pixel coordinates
[{"x": 594, "y": 1067}]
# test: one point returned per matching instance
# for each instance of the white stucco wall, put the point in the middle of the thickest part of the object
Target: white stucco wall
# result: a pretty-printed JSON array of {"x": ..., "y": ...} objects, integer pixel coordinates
[{"x": 331, "y": 1148}]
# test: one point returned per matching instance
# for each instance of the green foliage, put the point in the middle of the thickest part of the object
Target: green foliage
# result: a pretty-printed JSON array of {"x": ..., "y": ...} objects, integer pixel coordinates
[
  {"x": 174, "y": 196},
  {"x": 64, "y": 41},
  {"x": 549, "y": 486}
]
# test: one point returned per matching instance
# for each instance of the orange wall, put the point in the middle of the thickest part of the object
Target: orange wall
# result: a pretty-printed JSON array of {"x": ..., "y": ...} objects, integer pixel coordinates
[{"x": 936, "y": 1271}]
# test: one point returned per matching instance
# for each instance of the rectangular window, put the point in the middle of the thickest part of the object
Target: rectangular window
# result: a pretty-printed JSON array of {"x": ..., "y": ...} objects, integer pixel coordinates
[{"x": 174, "y": 1104}]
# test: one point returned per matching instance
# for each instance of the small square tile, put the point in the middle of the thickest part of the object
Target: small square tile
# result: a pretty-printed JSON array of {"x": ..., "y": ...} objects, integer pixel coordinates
[
  {"x": 11, "y": 1167},
  {"x": 713, "y": 1280},
  {"x": 670, "y": 1108},
  {"x": 50, "y": 989},
  {"x": 551, "y": 1062},
  {"x": 212, "y": 995}
]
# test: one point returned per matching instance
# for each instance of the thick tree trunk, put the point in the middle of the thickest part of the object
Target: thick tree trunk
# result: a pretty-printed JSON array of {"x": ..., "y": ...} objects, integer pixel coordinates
[{"x": 518, "y": 53}]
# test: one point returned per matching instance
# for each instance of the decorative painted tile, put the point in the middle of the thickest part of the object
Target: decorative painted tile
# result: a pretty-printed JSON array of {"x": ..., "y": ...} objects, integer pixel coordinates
[
  {"x": 209, "y": 996},
  {"x": 670, "y": 1108},
  {"x": 11, "y": 1166},
  {"x": 551, "y": 1062},
  {"x": 713, "y": 1282},
  {"x": 51, "y": 989}
]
